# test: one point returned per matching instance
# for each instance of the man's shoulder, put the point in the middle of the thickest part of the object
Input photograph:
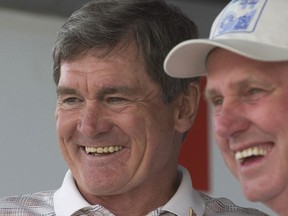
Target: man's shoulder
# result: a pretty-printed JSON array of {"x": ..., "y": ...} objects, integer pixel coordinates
[
  {"x": 40, "y": 203},
  {"x": 224, "y": 206}
]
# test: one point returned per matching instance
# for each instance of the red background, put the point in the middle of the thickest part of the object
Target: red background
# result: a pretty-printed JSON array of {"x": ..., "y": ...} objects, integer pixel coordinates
[{"x": 194, "y": 154}]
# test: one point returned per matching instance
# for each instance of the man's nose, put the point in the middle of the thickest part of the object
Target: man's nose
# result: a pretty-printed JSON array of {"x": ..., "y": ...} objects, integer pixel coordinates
[
  {"x": 94, "y": 120},
  {"x": 230, "y": 120}
]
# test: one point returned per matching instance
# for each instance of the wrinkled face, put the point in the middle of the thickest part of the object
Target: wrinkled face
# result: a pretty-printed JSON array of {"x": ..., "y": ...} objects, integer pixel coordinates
[
  {"x": 114, "y": 129},
  {"x": 250, "y": 101}
]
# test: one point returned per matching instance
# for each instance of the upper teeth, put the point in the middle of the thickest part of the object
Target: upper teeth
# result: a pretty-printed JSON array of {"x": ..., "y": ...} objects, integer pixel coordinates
[
  {"x": 253, "y": 151},
  {"x": 101, "y": 150}
]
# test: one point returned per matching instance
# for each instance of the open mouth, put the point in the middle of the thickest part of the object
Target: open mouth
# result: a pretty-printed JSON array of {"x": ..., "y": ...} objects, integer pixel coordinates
[
  {"x": 102, "y": 150},
  {"x": 251, "y": 154}
]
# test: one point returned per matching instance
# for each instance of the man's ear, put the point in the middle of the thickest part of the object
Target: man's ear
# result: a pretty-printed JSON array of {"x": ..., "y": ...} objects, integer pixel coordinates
[{"x": 187, "y": 108}]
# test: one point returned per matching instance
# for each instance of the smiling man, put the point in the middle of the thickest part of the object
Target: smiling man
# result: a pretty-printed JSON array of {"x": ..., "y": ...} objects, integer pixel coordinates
[
  {"x": 246, "y": 63},
  {"x": 120, "y": 119}
]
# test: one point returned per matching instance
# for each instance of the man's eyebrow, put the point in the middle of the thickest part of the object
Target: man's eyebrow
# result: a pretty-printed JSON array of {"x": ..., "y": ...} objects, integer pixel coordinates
[
  {"x": 101, "y": 93},
  {"x": 64, "y": 90},
  {"x": 240, "y": 84},
  {"x": 210, "y": 93},
  {"x": 114, "y": 90}
]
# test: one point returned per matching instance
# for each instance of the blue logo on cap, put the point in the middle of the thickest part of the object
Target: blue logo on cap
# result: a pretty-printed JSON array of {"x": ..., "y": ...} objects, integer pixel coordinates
[{"x": 239, "y": 16}]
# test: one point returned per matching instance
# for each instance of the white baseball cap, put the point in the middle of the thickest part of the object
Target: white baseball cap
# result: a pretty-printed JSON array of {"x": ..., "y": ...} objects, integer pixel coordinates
[{"x": 257, "y": 29}]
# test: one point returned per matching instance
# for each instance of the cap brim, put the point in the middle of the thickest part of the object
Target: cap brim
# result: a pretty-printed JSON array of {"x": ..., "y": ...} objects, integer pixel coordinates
[{"x": 188, "y": 59}]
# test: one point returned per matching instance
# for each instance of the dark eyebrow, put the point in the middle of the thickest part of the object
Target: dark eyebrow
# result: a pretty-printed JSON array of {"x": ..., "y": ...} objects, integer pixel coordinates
[
  {"x": 105, "y": 91},
  {"x": 64, "y": 90},
  {"x": 114, "y": 90},
  {"x": 210, "y": 93}
]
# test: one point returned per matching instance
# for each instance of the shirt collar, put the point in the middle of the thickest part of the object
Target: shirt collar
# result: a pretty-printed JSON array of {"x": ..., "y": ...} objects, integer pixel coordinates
[{"x": 67, "y": 199}]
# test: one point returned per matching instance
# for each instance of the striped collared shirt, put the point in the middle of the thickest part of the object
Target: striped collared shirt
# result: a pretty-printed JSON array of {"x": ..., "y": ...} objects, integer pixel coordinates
[{"x": 67, "y": 201}]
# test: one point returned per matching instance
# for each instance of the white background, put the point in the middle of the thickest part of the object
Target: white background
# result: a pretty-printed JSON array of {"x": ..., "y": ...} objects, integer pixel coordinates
[{"x": 30, "y": 159}]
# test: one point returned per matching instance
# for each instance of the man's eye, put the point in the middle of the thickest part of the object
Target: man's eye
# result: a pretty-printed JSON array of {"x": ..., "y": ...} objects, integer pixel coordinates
[
  {"x": 253, "y": 91},
  {"x": 115, "y": 100},
  {"x": 69, "y": 101},
  {"x": 217, "y": 101}
]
